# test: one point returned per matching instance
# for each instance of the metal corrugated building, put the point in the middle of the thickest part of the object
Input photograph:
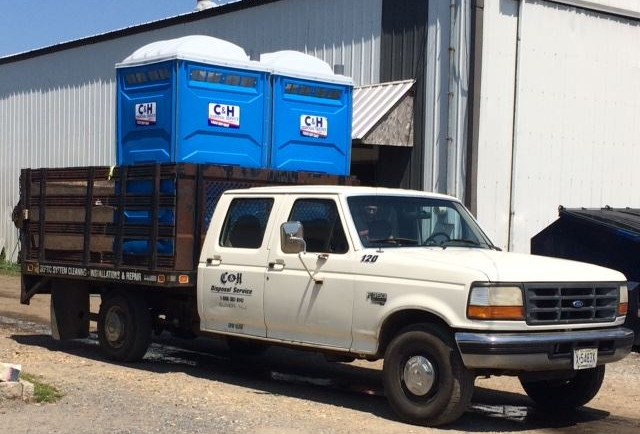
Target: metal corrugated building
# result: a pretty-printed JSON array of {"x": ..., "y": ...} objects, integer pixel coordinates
[
  {"x": 559, "y": 104},
  {"x": 57, "y": 104},
  {"x": 518, "y": 105}
]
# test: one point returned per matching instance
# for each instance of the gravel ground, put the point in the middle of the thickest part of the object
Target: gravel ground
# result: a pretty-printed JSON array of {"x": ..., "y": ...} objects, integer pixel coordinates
[{"x": 196, "y": 387}]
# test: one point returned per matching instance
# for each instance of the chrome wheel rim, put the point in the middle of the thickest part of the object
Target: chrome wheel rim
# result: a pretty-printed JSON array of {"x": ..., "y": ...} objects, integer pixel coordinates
[{"x": 418, "y": 375}]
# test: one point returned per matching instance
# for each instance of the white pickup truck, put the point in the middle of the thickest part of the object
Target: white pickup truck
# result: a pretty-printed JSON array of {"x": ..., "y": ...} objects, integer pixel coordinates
[
  {"x": 403, "y": 275},
  {"x": 409, "y": 277}
]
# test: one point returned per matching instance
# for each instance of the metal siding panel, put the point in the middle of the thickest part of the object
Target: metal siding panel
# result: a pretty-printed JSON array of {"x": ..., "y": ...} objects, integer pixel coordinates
[
  {"x": 318, "y": 28},
  {"x": 496, "y": 118},
  {"x": 403, "y": 29},
  {"x": 435, "y": 111},
  {"x": 578, "y": 105},
  {"x": 45, "y": 122}
]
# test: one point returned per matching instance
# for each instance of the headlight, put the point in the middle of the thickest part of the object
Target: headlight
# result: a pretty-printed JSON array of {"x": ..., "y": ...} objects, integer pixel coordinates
[
  {"x": 496, "y": 302},
  {"x": 623, "y": 304}
]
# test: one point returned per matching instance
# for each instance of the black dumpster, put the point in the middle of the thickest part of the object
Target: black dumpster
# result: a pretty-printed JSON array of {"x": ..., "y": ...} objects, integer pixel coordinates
[{"x": 609, "y": 237}]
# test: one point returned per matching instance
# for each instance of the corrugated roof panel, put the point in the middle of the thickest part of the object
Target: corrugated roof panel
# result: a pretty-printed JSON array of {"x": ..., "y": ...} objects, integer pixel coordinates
[{"x": 371, "y": 103}]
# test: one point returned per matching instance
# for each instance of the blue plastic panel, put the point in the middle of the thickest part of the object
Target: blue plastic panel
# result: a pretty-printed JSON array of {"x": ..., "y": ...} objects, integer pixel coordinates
[
  {"x": 143, "y": 216},
  {"x": 146, "y": 113},
  {"x": 141, "y": 247},
  {"x": 311, "y": 128},
  {"x": 222, "y": 116}
]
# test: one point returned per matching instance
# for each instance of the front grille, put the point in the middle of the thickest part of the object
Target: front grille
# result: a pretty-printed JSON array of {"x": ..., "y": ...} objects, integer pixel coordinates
[{"x": 569, "y": 303}]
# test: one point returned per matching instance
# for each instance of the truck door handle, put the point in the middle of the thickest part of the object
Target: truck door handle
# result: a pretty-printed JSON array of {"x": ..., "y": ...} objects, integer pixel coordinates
[
  {"x": 216, "y": 260},
  {"x": 277, "y": 265}
]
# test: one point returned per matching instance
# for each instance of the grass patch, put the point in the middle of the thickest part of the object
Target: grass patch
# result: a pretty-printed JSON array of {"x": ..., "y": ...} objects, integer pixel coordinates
[
  {"x": 42, "y": 392},
  {"x": 9, "y": 268}
]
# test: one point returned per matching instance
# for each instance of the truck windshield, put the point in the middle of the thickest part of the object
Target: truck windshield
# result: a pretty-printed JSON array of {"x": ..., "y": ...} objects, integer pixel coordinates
[{"x": 407, "y": 221}]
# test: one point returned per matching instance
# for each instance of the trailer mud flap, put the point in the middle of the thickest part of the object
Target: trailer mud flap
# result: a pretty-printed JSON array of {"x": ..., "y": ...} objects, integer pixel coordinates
[{"x": 69, "y": 310}]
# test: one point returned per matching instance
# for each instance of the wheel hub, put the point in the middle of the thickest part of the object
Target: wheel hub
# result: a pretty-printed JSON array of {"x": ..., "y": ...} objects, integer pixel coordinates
[
  {"x": 114, "y": 326},
  {"x": 419, "y": 375}
]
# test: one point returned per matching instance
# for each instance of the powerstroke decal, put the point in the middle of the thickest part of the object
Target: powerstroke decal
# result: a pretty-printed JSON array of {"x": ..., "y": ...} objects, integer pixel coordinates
[
  {"x": 224, "y": 115},
  {"x": 146, "y": 113},
  {"x": 314, "y": 126},
  {"x": 377, "y": 298}
]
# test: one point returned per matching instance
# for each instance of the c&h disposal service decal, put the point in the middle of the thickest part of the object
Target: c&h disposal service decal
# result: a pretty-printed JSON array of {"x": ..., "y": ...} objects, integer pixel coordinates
[
  {"x": 146, "y": 113},
  {"x": 314, "y": 126},
  {"x": 224, "y": 115}
]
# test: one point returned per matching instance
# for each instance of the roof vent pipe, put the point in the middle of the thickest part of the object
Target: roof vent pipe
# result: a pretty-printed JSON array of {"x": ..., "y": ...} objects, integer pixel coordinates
[{"x": 206, "y": 4}]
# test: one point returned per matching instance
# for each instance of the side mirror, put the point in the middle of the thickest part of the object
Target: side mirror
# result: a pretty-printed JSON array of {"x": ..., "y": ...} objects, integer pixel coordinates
[{"x": 292, "y": 237}]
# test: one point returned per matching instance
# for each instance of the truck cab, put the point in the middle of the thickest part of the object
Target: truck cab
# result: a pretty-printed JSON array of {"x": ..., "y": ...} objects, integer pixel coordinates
[{"x": 409, "y": 277}]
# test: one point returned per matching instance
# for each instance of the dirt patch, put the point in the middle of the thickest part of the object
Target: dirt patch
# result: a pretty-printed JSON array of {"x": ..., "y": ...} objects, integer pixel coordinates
[{"x": 10, "y": 305}]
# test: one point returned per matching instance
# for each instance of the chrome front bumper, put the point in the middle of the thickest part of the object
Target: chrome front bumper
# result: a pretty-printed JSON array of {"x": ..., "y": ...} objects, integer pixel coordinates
[{"x": 540, "y": 351}]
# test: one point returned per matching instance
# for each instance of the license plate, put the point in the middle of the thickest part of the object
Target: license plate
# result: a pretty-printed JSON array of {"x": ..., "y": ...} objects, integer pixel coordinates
[{"x": 585, "y": 358}]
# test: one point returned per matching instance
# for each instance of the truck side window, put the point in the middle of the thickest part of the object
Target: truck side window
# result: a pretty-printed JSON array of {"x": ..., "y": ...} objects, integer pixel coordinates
[
  {"x": 323, "y": 231},
  {"x": 245, "y": 223}
]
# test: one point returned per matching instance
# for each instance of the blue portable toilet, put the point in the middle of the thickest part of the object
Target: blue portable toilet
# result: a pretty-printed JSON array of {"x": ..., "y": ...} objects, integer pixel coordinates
[
  {"x": 311, "y": 114},
  {"x": 194, "y": 99}
]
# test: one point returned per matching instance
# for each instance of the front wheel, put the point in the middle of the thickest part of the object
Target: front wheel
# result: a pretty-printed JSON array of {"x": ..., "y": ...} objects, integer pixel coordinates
[
  {"x": 565, "y": 394},
  {"x": 424, "y": 378},
  {"x": 124, "y": 327}
]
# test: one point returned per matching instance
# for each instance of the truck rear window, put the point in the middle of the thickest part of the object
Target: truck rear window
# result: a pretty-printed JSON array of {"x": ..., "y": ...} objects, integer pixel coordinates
[
  {"x": 246, "y": 222},
  {"x": 323, "y": 231}
]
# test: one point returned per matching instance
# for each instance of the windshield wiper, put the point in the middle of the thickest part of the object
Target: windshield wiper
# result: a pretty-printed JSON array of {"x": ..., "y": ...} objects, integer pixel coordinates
[
  {"x": 394, "y": 240},
  {"x": 466, "y": 241}
]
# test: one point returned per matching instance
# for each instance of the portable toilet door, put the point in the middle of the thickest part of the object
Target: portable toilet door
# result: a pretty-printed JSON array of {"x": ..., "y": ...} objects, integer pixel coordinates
[
  {"x": 223, "y": 114},
  {"x": 311, "y": 114},
  {"x": 146, "y": 113}
]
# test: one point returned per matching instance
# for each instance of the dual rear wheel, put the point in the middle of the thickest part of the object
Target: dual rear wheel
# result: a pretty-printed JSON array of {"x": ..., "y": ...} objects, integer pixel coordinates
[{"x": 124, "y": 326}]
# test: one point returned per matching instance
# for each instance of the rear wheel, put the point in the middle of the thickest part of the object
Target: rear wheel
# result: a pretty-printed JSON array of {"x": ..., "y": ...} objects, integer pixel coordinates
[
  {"x": 124, "y": 327},
  {"x": 424, "y": 378},
  {"x": 568, "y": 393}
]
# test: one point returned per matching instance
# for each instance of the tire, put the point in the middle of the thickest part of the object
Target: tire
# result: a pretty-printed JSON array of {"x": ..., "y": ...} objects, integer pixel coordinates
[
  {"x": 124, "y": 327},
  {"x": 452, "y": 384},
  {"x": 241, "y": 347},
  {"x": 565, "y": 394}
]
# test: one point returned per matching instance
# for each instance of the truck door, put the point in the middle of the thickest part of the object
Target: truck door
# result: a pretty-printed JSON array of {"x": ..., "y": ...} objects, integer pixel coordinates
[
  {"x": 297, "y": 308},
  {"x": 232, "y": 267}
]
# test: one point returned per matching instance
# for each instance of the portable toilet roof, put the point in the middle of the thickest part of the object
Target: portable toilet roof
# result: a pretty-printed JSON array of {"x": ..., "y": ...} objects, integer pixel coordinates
[
  {"x": 197, "y": 48},
  {"x": 195, "y": 99},
  {"x": 300, "y": 65}
]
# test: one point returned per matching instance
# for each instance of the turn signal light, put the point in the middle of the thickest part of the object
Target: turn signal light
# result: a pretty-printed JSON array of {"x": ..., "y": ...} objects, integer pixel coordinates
[
  {"x": 623, "y": 305},
  {"x": 496, "y": 312},
  {"x": 622, "y": 309},
  {"x": 183, "y": 278}
]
